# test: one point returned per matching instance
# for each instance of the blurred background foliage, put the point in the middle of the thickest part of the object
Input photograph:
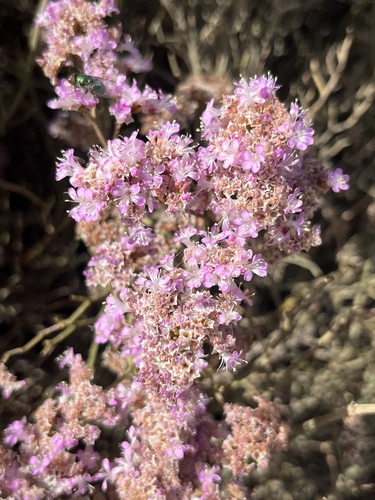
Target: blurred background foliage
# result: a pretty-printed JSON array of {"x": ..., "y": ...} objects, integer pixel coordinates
[{"x": 313, "y": 321}]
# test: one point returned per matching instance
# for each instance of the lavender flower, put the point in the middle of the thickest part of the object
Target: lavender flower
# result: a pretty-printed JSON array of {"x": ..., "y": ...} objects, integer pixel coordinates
[{"x": 338, "y": 181}]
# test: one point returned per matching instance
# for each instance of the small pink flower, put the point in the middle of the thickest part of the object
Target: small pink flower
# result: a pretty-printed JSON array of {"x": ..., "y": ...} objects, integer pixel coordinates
[
  {"x": 88, "y": 208},
  {"x": 338, "y": 181}
]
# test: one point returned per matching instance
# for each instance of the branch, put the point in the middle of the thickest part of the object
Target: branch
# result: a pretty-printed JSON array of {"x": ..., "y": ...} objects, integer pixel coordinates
[
  {"x": 352, "y": 409},
  {"x": 326, "y": 88}
]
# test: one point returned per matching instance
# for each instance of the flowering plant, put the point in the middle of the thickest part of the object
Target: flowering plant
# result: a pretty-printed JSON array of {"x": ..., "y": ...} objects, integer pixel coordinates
[{"x": 177, "y": 231}]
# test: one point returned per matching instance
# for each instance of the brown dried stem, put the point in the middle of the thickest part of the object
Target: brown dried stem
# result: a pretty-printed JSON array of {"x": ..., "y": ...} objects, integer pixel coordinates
[
  {"x": 69, "y": 325},
  {"x": 352, "y": 409}
]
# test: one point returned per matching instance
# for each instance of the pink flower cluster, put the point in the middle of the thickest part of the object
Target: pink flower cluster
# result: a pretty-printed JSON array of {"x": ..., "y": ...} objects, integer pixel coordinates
[
  {"x": 78, "y": 37},
  {"x": 250, "y": 188},
  {"x": 47, "y": 460},
  {"x": 177, "y": 232},
  {"x": 167, "y": 452}
]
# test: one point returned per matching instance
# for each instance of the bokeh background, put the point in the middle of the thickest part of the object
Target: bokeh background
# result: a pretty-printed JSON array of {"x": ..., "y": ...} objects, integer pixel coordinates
[{"x": 314, "y": 316}]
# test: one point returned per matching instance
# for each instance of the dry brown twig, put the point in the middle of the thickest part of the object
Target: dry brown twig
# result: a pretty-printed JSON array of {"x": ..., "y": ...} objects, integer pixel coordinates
[
  {"x": 326, "y": 78},
  {"x": 68, "y": 326},
  {"x": 25, "y": 192},
  {"x": 336, "y": 61},
  {"x": 363, "y": 100},
  {"x": 201, "y": 43},
  {"x": 351, "y": 410}
]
